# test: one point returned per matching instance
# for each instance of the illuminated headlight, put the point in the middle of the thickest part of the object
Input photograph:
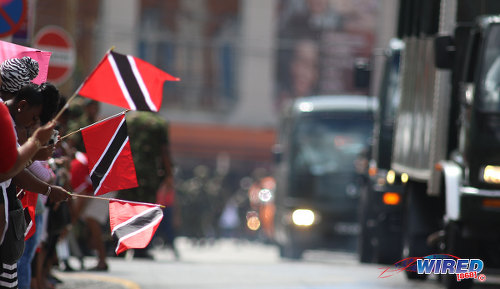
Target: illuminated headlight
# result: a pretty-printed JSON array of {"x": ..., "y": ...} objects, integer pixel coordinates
[
  {"x": 303, "y": 217},
  {"x": 390, "y": 177},
  {"x": 491, "y": 174}
]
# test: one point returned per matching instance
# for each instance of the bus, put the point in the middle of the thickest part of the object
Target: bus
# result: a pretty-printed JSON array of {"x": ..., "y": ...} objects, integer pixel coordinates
[{"x": 321, "y": 156}]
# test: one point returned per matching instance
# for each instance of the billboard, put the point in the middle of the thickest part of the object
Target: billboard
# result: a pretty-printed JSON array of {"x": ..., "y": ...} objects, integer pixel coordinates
[{"x": 319, "y": 42}]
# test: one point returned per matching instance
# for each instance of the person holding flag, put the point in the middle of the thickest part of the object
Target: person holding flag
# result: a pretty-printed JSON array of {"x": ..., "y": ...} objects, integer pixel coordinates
[
  {"x": 131, "y": 83},
  {"x": 93, "y": 212},
  {"x": 25, "y": 109}
]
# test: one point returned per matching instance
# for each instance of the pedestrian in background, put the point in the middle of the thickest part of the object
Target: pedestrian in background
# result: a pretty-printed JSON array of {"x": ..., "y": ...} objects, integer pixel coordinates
[
  {"x": 94, "y": 213},
  {"x": 149, "y": 142}
]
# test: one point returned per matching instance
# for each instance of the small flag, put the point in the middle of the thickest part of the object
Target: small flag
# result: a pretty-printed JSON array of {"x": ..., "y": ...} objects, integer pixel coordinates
[
  {"x": 133, "y": 224},
  {"x": 29, "y": 201},
  {"x": 126, "y": 81},
  {"x": 110, "y": 162},
  {"x": 9, "y": 50}
]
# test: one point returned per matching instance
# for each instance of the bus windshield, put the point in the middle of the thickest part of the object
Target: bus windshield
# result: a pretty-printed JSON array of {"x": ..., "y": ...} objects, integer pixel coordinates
[
  {"x": 490, "y": 74},
  {"x": 325, "y": 151}
]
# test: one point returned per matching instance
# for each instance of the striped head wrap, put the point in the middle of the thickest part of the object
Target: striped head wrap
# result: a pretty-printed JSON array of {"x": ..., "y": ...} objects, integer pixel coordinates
[{"x": 16, "y": 73}]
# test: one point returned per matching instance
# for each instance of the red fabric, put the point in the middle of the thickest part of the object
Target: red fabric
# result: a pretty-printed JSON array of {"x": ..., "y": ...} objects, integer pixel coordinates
[
  {"x": 8, "y": 145},
  {"x": 122, "y": 173},
  {"x": 102, "y": 84},
  {"x": 29, "y": 203},
  {"x": 80, "y": 174},
  {"x": 129, "y": 233},
  {"x": 165, "y": 196}
]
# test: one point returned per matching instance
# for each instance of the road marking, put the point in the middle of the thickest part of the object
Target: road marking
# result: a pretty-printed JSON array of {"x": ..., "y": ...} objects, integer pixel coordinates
[{"x": 84, "y": 276}]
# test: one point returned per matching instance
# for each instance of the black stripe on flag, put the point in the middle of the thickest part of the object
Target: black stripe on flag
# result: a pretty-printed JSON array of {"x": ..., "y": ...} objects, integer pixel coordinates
[
  {"x": 104, "y": 165},
  {"x": 130, "y": 81},
  {"x": 137, "y": 224}
]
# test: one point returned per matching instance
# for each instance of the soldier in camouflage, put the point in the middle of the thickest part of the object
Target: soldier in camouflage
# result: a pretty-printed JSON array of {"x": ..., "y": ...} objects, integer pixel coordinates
[{"x": 149, "y": 142}]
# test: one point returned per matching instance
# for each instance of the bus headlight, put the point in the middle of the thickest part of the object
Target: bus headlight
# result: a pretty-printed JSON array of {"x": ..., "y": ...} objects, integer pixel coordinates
[
  {"x": 491, "y": 174},
  {"x": 303, "y": 217}
]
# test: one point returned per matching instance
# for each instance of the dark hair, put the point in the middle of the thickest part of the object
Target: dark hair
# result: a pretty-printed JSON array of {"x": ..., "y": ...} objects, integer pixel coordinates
[
  {"x": 31, "y": 94},
  {"x": 51, "y": 101}
]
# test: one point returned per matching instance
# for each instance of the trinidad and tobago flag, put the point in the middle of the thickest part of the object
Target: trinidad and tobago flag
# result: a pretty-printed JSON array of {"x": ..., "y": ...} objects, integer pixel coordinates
[
  {"x": 110, "y": 162},
  {"x": 126, "y": 81},
  {"x": 29, "y": 201},
  {"x": 133, "y": 224}
]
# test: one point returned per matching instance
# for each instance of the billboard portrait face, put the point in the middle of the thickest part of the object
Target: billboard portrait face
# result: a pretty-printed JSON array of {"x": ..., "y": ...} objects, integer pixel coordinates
[{"x": 318, "y": 43}]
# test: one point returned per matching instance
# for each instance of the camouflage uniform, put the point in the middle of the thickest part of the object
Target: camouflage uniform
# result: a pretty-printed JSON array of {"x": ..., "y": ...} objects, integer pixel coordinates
[
  {"x": 79, "y": 120},
  {"x": 76, "y": 124},
  {"x": 148, "y": 134}
]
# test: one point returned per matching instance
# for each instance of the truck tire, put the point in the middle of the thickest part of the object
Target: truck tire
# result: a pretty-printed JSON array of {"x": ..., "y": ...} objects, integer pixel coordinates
[
  {"x": 289, "y": 251},
  {"x": 455, "y": 245},
  {"x": 365, "y": 248},
  {"x": 388, "y": 250},
  {"x": 414, "y": 235}
]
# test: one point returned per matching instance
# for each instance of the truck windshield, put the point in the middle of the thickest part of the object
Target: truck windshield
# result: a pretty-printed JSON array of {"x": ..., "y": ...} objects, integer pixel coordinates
[
  {"x": 391, "y": 87},
  {"x": 326, "y": 154},
  {"x": 490, "y": 74}
]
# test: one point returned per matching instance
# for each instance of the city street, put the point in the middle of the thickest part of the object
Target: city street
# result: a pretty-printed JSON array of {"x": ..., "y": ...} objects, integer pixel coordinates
[{"x": 229, "y": 264}]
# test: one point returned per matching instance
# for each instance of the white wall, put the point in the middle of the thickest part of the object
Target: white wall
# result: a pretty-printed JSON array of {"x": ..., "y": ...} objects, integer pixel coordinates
[
  {"x": 117, "y": 28},
  {"x": 257, "y": 66}
]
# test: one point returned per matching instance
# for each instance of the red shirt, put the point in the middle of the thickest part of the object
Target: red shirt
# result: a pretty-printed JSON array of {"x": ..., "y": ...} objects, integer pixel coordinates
[
  {"x": 80, "y": 181},
  {"x": 8, "y": 145}
]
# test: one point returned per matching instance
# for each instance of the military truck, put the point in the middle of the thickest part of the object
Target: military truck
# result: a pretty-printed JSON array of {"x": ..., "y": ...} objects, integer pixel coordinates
[
  {"x": 447, "y": 135},
  {"x": 321, "y": 160},
  {"x": 380, "y": 208}
]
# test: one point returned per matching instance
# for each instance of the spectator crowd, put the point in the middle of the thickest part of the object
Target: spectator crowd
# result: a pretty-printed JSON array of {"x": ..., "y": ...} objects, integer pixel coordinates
[{"x": 42, "y": 160}]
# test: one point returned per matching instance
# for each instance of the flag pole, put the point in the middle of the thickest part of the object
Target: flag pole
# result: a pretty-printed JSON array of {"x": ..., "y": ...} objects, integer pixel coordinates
[
  {"x": 75, "y": 94},
  {"x": 116, "y": 200},
  {"x": 97, "y": 122},
  {"x": 66, "y": 106}
]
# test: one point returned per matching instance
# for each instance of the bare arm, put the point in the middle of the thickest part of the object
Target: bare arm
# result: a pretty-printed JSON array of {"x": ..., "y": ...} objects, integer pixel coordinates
[
  {"x": 29, "y": 149},
  {"x": 28, "y": 181}
]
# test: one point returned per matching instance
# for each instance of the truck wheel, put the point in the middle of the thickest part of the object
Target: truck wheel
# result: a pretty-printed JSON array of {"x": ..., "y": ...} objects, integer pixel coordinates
[
  {"x": 414, "y": 240},
  {"x": 290, "y": 249},
  {"x": 455, "y": 245},
  {"x": 365, "y": 247},
  {"x": 408, "y": 247},
  {"x": 388, "y": 250},
  {"x": 290, "y": 252}
]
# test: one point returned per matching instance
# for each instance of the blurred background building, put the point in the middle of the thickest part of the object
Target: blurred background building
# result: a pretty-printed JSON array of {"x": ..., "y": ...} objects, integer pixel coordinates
[{"x": 240, "y": 61}]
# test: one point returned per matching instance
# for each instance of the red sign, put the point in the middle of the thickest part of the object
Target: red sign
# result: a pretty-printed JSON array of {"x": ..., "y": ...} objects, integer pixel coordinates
[
  {"x": 12, "y": 16},
  {"x": 60, "y": 43}
]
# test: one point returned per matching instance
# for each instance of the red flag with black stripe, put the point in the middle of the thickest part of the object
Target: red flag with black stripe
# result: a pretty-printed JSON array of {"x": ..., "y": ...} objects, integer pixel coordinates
[
  {"x": 110, "y": 162},
  {"x": 133, "y": 224},
  {"x": 29, "y": 201},
  {"x": 126, "y": 81}
]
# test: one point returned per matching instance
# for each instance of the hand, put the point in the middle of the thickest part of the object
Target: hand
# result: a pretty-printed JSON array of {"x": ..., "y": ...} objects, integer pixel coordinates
[
  {"x": 58, "y": 194},
  {"x": 44, "y": 133},
  {"x": 44, "y": 153}
]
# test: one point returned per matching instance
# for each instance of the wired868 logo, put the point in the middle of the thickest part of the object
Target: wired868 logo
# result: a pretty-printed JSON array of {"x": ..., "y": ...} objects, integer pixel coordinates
[{"x": 439, "y": 264}]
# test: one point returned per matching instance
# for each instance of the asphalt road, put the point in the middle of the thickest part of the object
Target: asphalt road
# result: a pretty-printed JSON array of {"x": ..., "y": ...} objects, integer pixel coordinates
[{"x": 228, "y": 264}]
